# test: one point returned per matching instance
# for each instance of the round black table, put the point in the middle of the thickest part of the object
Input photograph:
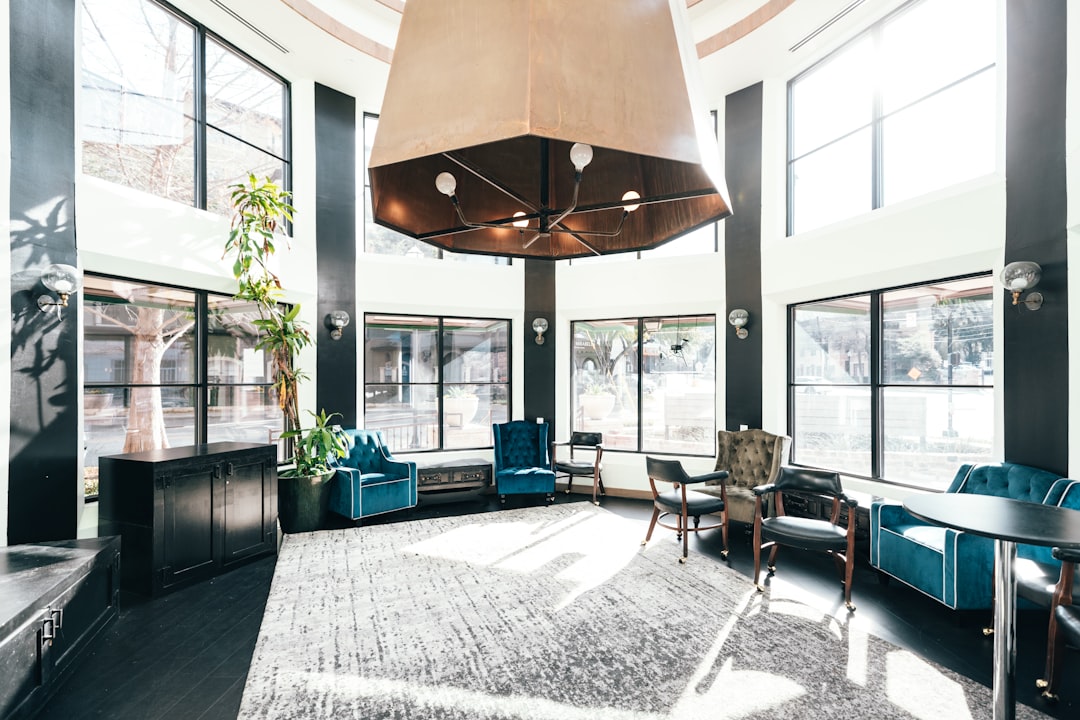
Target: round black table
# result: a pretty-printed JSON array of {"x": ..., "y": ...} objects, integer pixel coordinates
[{"x": 1008, "y": 522}]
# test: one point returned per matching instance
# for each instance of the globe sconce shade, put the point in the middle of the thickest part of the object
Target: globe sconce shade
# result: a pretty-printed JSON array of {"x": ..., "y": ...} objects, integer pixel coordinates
[
  {"x": 738, "y": 319},
  {"x": 1021, "y": 277},
  {"x": 61, "y": 279},
  {"x": 336, "y": 321},
  {"x": 540, "y": 326}
]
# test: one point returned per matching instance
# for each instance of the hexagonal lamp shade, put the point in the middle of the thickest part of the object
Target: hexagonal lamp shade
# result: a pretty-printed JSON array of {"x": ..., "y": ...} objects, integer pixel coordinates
[{"x": 556, "y": 128}]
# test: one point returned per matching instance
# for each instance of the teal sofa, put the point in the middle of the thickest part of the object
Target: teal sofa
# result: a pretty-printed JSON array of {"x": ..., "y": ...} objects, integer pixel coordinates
[
  {"x": 369, "y": 480},
  {"x": 953, "y": 567}
]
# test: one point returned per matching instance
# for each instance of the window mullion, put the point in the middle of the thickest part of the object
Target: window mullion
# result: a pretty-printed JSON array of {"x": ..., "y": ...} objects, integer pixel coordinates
[
  {"x": 877, "y": 180},
  {"x": 199, "y": 78},
  {"x": 877, "y": 415},
  {"x": 202, "y": 304}
]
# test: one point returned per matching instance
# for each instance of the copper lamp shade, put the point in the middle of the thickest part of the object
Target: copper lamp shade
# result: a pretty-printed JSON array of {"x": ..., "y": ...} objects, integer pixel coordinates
[{"x": 496, "y": 93}]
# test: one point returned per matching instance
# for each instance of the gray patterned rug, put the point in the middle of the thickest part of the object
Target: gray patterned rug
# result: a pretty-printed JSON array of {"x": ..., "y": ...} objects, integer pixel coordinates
[{"x": 557, "y": 613}]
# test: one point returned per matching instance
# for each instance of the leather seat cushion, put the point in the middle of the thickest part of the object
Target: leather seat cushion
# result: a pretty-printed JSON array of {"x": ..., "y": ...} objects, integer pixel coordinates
[
  {"x": 805, "y": 533},
  {"x": 574, "y": 467},
  {"x": 696, "y": 503},
  {"x": 1068, "y": 617}
]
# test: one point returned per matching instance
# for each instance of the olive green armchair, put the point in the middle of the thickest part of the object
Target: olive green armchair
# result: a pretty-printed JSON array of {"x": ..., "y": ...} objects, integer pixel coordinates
[{"x": 751, "y": 458}]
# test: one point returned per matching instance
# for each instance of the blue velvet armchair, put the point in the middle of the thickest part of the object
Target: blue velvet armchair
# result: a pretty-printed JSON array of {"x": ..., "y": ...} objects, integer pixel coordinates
[
  {"x": 369, "y": 481},
  {"x": 953, "y": 567},
  {"x": 522, "y": 464}
]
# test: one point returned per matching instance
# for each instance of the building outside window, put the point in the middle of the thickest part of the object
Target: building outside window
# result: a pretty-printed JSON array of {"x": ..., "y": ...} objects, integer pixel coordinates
[
  {"x": 648, "y": 384},
  {"x": 168, "y": 367},
  {"x": 435, "y": 383},
  {"x": 895, "y": 385},
  {"x": 905, "y": 108},
  {"x": 153, "y": 122}
]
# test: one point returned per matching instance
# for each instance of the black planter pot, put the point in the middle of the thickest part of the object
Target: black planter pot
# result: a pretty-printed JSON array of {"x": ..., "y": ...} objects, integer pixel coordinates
[{"x": 303, "y": 502}]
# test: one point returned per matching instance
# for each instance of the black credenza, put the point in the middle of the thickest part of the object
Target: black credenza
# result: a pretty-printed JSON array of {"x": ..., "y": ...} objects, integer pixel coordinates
[
  {"x": 55, "y": 597},
  {"x": 188, "y": 513}
]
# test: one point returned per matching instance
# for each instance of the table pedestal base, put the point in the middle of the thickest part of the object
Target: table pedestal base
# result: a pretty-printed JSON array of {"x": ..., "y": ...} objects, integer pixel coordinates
[{"x": 1004, "y": 630}]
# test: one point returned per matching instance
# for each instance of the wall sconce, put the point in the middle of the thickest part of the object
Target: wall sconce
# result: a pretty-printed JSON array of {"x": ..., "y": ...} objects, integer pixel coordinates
[
  {"x": 1020, "y": 277},
  {"x": 738, "y": 318},
  {"x": 336, "y": 321},
  {"x": 540, "y": 326},
  {"x": 62, "y": 280}
]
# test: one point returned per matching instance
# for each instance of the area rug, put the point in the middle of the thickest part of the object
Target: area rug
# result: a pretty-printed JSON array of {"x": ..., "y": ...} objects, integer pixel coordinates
[{"x": 558, "y": 613}]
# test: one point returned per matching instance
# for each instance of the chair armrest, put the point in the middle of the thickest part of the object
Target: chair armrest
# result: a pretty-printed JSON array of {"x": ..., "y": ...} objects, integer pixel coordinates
[
  {"x": 848, "y": 500},
  {"x": 890, "y": 514},
  {"x": 764, "y": 489},
  {"x": 1066, "y": 554},
  {"x": 717, "y": 475}
]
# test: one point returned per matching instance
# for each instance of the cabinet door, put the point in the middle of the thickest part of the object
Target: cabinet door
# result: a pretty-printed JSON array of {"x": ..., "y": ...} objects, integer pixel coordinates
[
  {"x": 24, "y": 666},
  {"x": 247, "y": 523},
  {"x": 188, "y": 524}
]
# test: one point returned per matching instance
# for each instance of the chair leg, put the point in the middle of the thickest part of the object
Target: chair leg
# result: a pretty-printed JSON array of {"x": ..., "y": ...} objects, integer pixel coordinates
[
  {"x": 1054, "y": 645},
  {"x": 569, "y": 483},
  {"x": 685, "y": 536},
  {"x": 723, "y": 533},
  {"x": 600, "y": 480},
  {"x": 772, "y": 557},
  {"x": 849, "y": 567},
  {"x": 595, "y": 483},
  {"x": 757, "y": 554},
  {"x": 652, "y": 525}
]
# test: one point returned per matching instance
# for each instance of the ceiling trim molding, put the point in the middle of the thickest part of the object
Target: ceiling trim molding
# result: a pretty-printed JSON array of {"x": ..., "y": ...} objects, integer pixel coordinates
[
  {"x": 742, "y": 28},
  {"x": 326, "y": 22}
]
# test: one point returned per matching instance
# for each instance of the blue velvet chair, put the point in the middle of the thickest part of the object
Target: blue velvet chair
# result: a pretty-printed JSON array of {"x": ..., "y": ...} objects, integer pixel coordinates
[
  {"x": 522, "y": 465},
  {"x": 369, "y": 481},
  {"x": 953, "y": 567}
]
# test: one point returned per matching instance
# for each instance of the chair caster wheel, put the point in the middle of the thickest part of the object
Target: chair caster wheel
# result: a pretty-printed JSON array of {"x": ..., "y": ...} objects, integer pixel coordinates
[
  {"x": 1052, "y": 697},
  {"x": 1042, "y": 684},
  {"x": 566, "y": 491},
  {"x": 988, "y": 631},
  {"x": 596, "y": 503},
  {"x": 850, "y": 606},
  {"x": 760, "y": 589},
  {"x": 723, "y": 554},
  {"x": 772, "y": 568},
  {"x": 682, "y": 561},
  {"x": 644, "y": 543}
]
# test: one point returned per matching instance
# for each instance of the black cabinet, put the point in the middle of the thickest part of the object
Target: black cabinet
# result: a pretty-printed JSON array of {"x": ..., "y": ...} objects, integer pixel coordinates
[
  {"x": 54, "y": 599},
  {"x": 188, "y": 513},
  {"x": 468, "y": 474}
]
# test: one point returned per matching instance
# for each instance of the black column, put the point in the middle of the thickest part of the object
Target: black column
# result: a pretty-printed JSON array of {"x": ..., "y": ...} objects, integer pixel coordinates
[
  {"x": 45, "y": 486},
  {"x": 539, "y": 359},
  {"x": 742, "y": 256},
  {"x": 335, "y": 242},
  {"x": 1035, "y": 367}
]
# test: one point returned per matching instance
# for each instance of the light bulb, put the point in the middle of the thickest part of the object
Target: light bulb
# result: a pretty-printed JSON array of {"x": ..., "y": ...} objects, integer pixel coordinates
[
  {"x": 631, "y": 195},
  {"x": 520, "y": 223},
  {"x": 580, "y": 155},
  {"x": 1018, "y": 284},
  {"x": 446, "y": 183}
]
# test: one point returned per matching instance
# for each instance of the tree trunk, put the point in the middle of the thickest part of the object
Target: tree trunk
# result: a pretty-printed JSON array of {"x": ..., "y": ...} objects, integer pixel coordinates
[{"x": 146, "y": 420}]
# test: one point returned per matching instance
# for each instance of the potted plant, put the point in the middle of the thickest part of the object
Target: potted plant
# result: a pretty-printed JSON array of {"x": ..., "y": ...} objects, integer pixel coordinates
[
  {"x": 304, "y": 497},
  {"x": 260, "y": 208},
  {"x": 459, "y": 401},
  {"x": 597, "y": 401}
]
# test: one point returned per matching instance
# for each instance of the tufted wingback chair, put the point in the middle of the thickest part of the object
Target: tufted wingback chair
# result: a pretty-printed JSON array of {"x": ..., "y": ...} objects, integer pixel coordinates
[
  {"x": 956, "y": 568},
  {"x": 369, "y": 481},
  {"x": 751, "y": 458},
  {"x": 522, "y": 466}
]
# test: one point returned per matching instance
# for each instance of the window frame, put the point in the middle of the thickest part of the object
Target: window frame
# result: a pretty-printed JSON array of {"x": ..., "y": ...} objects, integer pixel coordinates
[
  {"x": 440, "y": 384},
  {"x": 878, "y": 118},
  {"x": 642, "y": 337},
  {"x": 200, "y": 147},
  {"x": 876, "y": 385}
]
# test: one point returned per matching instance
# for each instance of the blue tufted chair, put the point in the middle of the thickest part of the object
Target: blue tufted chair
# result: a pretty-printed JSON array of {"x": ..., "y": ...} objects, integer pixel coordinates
[
  {"x": 522, "y": 466},
  {"x": 957, "y": 568},
  {"x": 369, "y": 481}
]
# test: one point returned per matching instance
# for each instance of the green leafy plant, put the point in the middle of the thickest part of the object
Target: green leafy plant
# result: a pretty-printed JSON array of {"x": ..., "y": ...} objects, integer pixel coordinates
[
  {"x": 260, "y": 209},
  {"x": 316, "y": 447}
]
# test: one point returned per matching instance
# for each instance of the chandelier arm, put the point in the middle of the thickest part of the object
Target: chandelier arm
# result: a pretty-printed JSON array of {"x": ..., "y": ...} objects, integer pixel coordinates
[
  {"x": 597, "y": 233},
  {"x": 477, "y": 172}
]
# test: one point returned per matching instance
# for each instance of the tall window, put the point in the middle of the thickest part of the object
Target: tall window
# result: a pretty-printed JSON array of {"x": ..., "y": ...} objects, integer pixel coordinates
[
  {"x": 648, "y": 384},
  {"x": 167, "y": 367},
  {"x": 895, "y": 384},
  {"x": 436, "y": 383},
  {"x": 908, "y": 107},
  {"x": 171, "y": 110},
  {"x": 379, "y": 240}
]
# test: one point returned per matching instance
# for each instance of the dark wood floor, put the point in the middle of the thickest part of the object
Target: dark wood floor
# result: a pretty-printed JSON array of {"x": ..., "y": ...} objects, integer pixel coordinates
[{"x": 185, "y": 655}]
